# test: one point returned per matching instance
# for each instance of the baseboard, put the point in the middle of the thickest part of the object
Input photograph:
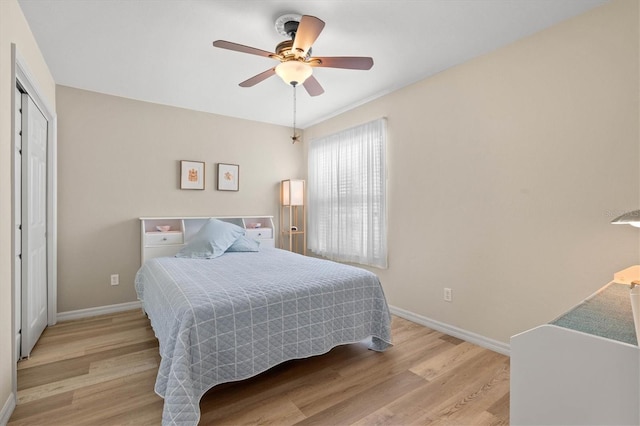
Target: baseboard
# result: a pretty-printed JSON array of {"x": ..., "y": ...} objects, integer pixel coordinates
[
  {"x": 7, "y": 409},
  {"x": 476, "y": 339},
  {"x": 100, "y": 310}
]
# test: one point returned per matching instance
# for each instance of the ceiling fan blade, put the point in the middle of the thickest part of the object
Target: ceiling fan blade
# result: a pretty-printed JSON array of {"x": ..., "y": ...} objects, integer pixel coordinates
[
  {"x": 312, "y": 86},
  {"x": 241, "y": 48},
  {"x": 258, "y": 78},
  {"x": 308, "y": 31},
  {"x": 348, "y": 62}
]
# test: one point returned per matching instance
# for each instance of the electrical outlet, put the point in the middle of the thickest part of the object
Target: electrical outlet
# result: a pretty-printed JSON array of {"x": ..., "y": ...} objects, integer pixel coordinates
[
  {"x": 115, "y": 279},
  {"x": 447, "y": 295}
]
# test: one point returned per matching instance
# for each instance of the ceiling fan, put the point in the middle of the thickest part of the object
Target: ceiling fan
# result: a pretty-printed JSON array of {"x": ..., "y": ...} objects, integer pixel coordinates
[{"x": 296, "y": 63}]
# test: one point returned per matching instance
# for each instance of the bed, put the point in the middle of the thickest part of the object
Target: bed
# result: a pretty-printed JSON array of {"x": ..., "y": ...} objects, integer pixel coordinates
[{"x": 237, "y": 315}]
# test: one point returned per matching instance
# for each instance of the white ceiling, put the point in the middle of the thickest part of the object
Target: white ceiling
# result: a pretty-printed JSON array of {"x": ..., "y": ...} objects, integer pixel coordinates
[{"x": 160, "y": 50}]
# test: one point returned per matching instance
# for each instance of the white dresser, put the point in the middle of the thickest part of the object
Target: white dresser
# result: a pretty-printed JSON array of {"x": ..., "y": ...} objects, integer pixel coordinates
[
  {"x": 583, "y": 368},
  {"x": 156, "y": 243}
]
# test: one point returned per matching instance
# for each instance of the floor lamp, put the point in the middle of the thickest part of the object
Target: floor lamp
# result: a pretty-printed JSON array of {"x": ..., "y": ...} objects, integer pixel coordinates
[{"x": 294, "y": 227}]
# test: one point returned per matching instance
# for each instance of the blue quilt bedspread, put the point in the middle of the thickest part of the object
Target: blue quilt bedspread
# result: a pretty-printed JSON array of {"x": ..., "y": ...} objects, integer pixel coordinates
[{"x": 235, "y": 316}]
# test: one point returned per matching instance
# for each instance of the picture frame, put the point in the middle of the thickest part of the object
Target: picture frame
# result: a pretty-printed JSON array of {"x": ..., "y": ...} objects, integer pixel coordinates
[
  {"x": 191, "y": 174},
  {"x": 228, "y": 177}
]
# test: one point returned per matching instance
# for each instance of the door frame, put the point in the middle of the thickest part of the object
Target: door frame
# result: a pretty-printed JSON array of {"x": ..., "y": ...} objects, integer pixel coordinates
[{"x": 21, "y": 75}]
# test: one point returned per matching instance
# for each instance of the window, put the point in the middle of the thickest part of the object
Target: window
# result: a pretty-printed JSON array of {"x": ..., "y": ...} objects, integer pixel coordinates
[{"x": 347, "y": 195}]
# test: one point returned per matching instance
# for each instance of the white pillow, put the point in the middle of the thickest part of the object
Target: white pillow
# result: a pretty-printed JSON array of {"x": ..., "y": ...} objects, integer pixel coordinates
[{"x": 212, "y": 240}]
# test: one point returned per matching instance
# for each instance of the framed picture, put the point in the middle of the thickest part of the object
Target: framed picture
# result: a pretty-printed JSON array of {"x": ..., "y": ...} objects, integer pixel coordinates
[
  {"x": 228, "y": 177},
  {"x": 191, "y": 174}
]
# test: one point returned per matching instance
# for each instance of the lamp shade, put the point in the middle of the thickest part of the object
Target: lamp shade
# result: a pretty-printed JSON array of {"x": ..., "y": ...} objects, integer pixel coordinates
[
  {"x": 631, "y": 218},
  {"x": 294, "y": 72},
  {"x": 292, "y": 192}
]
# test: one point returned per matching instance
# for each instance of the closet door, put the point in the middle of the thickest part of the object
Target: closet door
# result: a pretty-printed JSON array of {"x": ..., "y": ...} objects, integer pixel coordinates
[{"x": 34, "y": 224}]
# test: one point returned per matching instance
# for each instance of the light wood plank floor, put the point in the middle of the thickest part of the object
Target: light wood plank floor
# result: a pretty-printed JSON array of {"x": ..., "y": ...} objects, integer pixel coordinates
[{"x": 101, "y": 371}]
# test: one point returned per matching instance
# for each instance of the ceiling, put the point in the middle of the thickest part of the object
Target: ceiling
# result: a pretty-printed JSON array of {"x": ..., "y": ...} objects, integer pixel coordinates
[{"x": 161, "y": 50}]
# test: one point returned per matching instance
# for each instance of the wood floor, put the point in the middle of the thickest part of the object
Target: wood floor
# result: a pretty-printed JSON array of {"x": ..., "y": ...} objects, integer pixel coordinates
[{"x": 101, "y": 371}]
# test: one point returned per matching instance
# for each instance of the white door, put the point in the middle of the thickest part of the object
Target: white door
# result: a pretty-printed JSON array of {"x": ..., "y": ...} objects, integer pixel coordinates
[{"x": 34, "y": 224}]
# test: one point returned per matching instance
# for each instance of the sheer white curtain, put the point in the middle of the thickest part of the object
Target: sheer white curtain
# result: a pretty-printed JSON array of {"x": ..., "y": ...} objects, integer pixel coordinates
[{"x": 347, "y": 195}]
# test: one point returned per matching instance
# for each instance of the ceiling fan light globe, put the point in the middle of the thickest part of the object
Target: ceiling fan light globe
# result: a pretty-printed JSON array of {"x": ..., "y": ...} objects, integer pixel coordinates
[{"x": 294, "y": 72}]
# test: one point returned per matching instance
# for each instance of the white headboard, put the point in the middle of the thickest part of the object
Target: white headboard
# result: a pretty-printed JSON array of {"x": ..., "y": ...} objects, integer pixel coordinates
[{"x": 157, "y": 243}]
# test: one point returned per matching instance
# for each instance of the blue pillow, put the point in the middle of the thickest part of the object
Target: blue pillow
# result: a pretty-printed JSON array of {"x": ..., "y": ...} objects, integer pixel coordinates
[
  {"x": 212, "y": 240},
  {"x": 245, "y": 244}
]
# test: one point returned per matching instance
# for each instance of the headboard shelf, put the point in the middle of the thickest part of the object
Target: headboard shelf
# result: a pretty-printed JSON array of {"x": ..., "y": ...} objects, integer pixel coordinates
[{"x": 158, "y": 242}]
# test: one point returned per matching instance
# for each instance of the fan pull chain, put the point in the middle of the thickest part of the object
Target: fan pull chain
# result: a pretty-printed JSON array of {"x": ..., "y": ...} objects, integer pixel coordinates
[{"x": 294, "y": 138}]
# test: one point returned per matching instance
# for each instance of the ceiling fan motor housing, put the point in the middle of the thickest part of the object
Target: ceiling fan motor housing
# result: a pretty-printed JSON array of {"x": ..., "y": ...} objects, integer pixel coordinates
[{"x": 285, "y": 51}]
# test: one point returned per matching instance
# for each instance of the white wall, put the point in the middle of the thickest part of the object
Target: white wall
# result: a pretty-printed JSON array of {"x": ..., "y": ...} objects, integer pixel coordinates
[
  {"x": 13, "y": 29},
  {"x": 118, "y": 159},
  {"x": 505, "y": 171}
]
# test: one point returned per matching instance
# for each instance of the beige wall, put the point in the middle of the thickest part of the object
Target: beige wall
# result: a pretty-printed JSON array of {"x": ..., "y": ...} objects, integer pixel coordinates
[
  {"x": 504, "y": 173},
  {"x": 118, "y": 159},
  {"x": 13, "y": 29}
]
